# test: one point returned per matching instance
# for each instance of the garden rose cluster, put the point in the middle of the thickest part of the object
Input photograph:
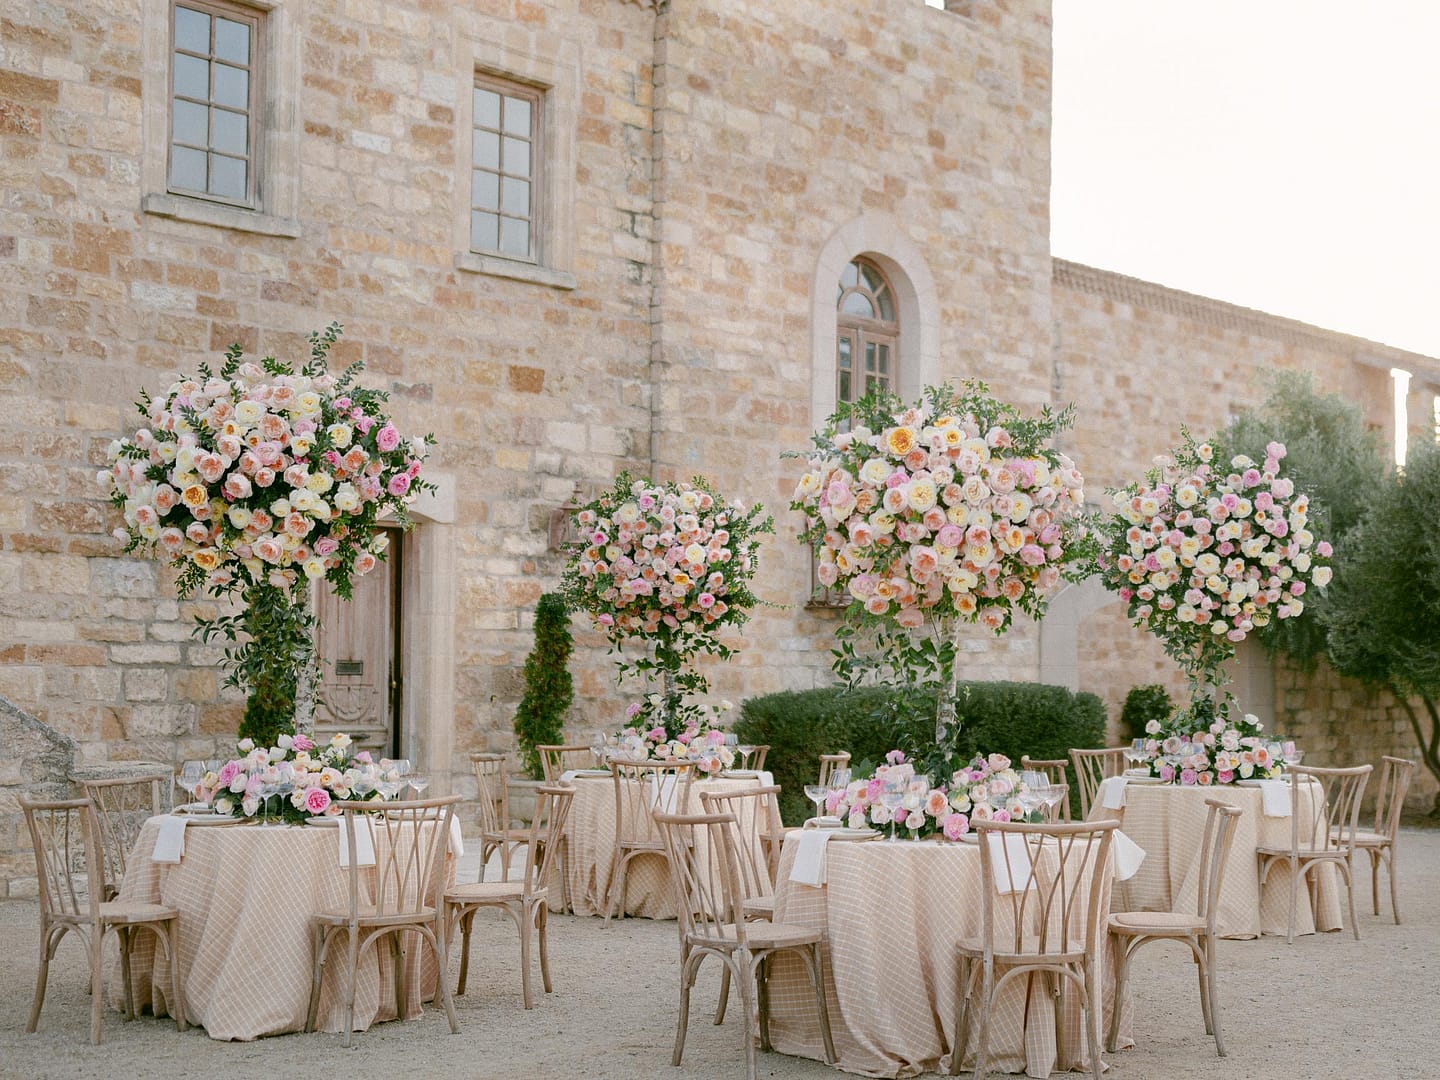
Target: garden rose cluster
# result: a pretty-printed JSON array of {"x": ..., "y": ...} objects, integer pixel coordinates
[
  {"x": 698, "y": 736},
  {"x": 1185, "y": 750},
  {"x": 301, "y": 779},
  {"x": 987, "y": 789},
  {"x": 1206, "y": 554},
  {"x": 262, "y": 475},
  {"x": 954, "y": 506}
]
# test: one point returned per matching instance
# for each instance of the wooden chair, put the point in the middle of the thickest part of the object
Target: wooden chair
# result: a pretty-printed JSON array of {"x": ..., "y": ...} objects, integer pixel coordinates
[
  {"x": 708, "y": 897},
  {"x": 829, "y": 763},
  {"x": 122, "y": 805},
  {"x": 1323, "y": 837},
  {"x": 1380, "y": 843},
  {"x": 758, "y": 756},
  {"x": 640, "y": 788},
  {"x": 397, "y": 895},
  {"x": 526, "y": 901},
  {"x": 1093, "y": 766},
  {"x": 70, "y": 870},
  {"x": 560, "y": 758},
  {"x": 1129, "y": 930},
  {"x": 1058, "y": 770},
  {"x": 493, "y": 796},
  {"x": 1049, "y": 922}
]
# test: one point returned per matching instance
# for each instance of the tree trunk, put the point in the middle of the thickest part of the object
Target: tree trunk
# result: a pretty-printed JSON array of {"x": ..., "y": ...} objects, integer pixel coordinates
[{"x": 1429, "y": 743}]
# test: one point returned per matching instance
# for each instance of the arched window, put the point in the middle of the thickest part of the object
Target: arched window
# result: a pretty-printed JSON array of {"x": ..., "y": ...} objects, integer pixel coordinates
[{"x": 866, "y": 332}]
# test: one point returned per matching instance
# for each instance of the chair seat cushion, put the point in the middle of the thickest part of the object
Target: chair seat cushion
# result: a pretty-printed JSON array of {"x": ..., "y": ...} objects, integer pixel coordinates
[
  {"x": 135, "y": 911},
  {"x": 1155, "y": 922}
]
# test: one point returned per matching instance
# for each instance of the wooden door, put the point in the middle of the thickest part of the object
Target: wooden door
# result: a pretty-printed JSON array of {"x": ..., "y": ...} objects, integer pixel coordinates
[{"x": 359, "y": 653}]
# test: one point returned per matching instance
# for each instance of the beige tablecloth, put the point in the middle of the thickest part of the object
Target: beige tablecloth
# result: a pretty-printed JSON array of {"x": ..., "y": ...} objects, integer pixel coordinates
[
  {"x": 1168, "y": 821},
  {"x": 894, "y": 914},
  {"x": 245, "y": 894},
  {"x": 590, "y": 847}
]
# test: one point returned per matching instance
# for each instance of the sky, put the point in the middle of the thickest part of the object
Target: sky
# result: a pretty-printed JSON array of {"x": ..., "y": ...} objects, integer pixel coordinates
[{"x": 1282, "y": 155}]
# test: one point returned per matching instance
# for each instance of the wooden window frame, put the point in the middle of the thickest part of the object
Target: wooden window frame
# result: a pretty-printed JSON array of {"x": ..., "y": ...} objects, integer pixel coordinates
[
  {"x": 535, "y": 97},
  {"x": 254, "y": 136},
  {"x": 863, "y": 332}
]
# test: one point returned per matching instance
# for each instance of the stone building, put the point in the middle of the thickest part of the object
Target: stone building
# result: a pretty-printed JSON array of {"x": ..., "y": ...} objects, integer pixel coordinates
[{"x": 569, "y": 237}]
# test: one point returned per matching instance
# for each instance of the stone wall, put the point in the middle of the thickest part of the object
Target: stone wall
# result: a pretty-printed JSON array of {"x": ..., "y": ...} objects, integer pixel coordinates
[{"x": 34, "y": 761}]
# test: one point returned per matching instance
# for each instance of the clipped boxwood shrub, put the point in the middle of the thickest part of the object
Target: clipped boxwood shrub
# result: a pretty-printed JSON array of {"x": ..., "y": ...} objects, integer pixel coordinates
[
  {"x": 1008, "y": 718},
  {"x": 1143, "y": 704}
]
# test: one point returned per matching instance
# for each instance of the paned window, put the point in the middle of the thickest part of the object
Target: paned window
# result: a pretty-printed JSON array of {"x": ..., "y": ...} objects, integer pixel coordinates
[
  {"x": 504, "y": 170},
  {"x": 866, "y": 333},
  {"x": 214, "y": 101}
]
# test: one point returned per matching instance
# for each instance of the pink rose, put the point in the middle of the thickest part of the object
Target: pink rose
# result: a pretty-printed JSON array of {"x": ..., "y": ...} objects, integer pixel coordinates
[
  {"x": 317, "y": 800},
  {"x": 387, "y": 438},
  {"x": 955, "y": 826},
  {"x": 365, "y": 562},
  {"x": 399, "y": 484},
  {"x": 301, "y": 742}
]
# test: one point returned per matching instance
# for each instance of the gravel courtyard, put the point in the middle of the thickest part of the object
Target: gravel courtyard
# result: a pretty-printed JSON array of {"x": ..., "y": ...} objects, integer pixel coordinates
[{"x": 1324, "y": 1007}]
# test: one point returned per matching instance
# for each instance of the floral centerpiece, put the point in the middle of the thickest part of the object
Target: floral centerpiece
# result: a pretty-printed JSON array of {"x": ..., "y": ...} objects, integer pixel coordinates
[
  {"x": 256, "y": 480},
  {"x": 694, "y": 735},
  {"x": 1204, "y": 746},
  {"x": 669, "y": 565},
  {"x": 1204, "y": 554},
  {"x": 987, "y": 788},
  {"x": 292, "y": 780},
  {"x": 955, "y": 509}
]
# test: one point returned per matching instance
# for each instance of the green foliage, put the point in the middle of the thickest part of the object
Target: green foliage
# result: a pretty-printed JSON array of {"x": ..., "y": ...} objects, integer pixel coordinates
[
  {"x": 272, "y": 638},
  {"x": 1335, "y": 459},
  {"x": 1143, "y": 704},
  {"x": 549, "y": 690},
  {"x": 995, "y": 717}
]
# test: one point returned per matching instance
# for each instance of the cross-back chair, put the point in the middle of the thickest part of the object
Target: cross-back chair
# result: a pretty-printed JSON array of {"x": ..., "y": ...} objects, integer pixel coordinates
[
  {"x": 1322, "y": 836},
  {"x": 493, "y": 797},
  {"x": 400, "y": 893},
  {"x": 526, "y": 901},
  {"x": 1058, "y": 771},
  {"x": 1049, "y": 919},
  {"x": 1381, "y": 842},
  {"x": 1130, "y": 930},
  {"x": 642, "y": 788},
  {"x": 559, "y": 758},
  {"x": 1093, "y": 766},
  {"x": 829, "y": 763},
  {"x": 121, "y": 805},
  {"x": 70, "y": 869},
  {"x": 709, "y": 898}
]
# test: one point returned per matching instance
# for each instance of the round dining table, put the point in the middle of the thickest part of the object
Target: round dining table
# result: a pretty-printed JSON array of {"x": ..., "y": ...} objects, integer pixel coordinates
[
  {"x": 1168, "y": 821},
  {"x": 893, "y": 915},
  {"x": 245, "y": 894}
]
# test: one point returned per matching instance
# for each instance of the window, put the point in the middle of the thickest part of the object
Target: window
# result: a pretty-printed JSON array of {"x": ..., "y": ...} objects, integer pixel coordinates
[
  {"x": 505, "y": 137},
  {"x": 214, "y": 102},
  {"x": 865, "y": 334}
]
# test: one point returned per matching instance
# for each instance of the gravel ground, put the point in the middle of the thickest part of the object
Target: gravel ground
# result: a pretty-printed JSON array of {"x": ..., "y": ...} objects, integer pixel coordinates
[{"x": 1325, "y": 1007}]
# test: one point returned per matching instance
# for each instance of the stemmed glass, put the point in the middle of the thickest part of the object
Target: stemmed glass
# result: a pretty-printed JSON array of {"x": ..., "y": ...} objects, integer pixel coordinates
[
  {"x": 1034, "y": 785},
  {"x": 1289, "y": 754},
  {"x": 599, "y": 749},
  {"x": 191, "y": 774},
  {"x": 892, "y": 794},
  {"x": 418, "y": 783},
  {"x": 816, "y": 793},
  {"x": 744, "y": 750},
  {"x": 1135, "y": 753}
]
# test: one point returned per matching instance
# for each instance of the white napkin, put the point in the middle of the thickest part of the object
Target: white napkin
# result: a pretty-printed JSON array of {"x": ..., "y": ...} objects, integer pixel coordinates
[
  {"x": 170, "y": 841},
  {"x": 1018, "y": 873},
  {"x": 364, "y": 840},
  {"x": 1275, "y": 798},
  {"x": 568, "y": 776},
  {"x": 809, "y": 866},
  {"x": 1128, "y": 856},
  {"x": 1112, "y": 793},
  {"x": 766, "y": 777},
  {"x": 457, "y": 843}
]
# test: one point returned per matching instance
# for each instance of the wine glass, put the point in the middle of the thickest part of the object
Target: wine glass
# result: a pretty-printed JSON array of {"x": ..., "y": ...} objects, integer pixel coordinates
[
  {"x": 1032, "y": 784},
  {"x": 1290, "y": 754},
  {"x": 418, "y": 783},
  {"x": 191, "y": 774},
  {"x": 598, "y": 749},
  {"x": 744, "y": 750},
  {"x": 1135, "y": 753},
  {"x": 816, "y": 794},
  {"x": 397, "y": 766},
  {"x": 892, "y": 794}
]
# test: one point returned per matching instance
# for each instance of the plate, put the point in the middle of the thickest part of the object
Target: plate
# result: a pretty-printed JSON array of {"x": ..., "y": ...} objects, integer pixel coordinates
[
  {"x": 1143, "y": 780},
  {"x": 323, "y": 820},
  {"x": 741, "y": 774},
  {"x": 970, "y": 838},
  {"x": 592, "y": 772},
  {"x": 192, "y": 820},
  {"x": 853, "y": 834},
  {"x": 1254, "y": 783},
  {"x": 193, "y": 808},
  {"x": 1136, "y": 774}
]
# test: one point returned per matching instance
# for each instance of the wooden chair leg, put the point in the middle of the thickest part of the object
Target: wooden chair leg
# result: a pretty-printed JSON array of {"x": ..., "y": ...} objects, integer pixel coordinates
[
  {"x": 352, "y": 966},
  {"x": 1294, "y": 899},
  {"x": 1374, "y": 854},
  {"x": 1092, "y": 1020},
  {"x": 440, "y": 943},
  {"x": 523, "y": 923},
  {"x": 320, "y": 942},
  {"x": 987, "y": 991},
  {"x": 1394, "y": 884},
  {"x": 465, "y": 922},
  {"x": 688, "y": 964},
  {"x": 746, "y": 979},
  {"x": 42, "y": 976},
  {"x": 397, "y": 961},
  {"x": 97, "y": 981},
  {"x": 1120, "y": 951},
  {"x": 1348, "y": 870},
  {"x": 124, "y": 936},
  {"x": 724, "y": 995},
  {"x": 823, "y": 1005},
  {"x": 542, "y": 920},
  {"x": 1212, "y": 994},
  {"x": 762, "y": 999},
  {"x": 177, "y": 992},
  {"x": 965, "y": 974}
]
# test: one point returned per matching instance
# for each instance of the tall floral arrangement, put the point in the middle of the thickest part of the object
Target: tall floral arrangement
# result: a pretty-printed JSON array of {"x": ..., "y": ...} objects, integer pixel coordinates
[
  {"x": 255, "y": 480},
  {"x": 1208, "y": 549},
  {"x": 669, "y": 565},
  {"x": 954, "y": 509}
]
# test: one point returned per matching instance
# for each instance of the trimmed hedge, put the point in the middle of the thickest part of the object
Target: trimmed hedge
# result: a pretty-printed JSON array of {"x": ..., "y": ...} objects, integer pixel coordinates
[{"x": 1008, "y": 718}]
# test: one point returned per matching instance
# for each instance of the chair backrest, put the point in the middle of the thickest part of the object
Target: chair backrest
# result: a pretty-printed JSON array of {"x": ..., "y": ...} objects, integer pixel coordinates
[
  {"x": 829, "y": 763},
  {"x": 560, "y": 758},
  {"x": 410, "y": 839},
  {"x": 1058, "y": 770},
  {"x": 1056, "y": 886},
  {"x": 1333, "y": 814},
  {"x": 493, "y": 793},
  {"x": 755, "y": 811},
  {"x": 121, "y": 806},
  {"x": 547, "y": 827},
  {"x": 64, "y": 834},
  {"x": 758, "y": 755},
  {"x": 1395, "y": 773},
  {"x": 1092, "y": 766},
  {"x": 1220, "y": 821},
  {"x": 708, "y": 894},
  {"x": 643, "y": 788}
]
